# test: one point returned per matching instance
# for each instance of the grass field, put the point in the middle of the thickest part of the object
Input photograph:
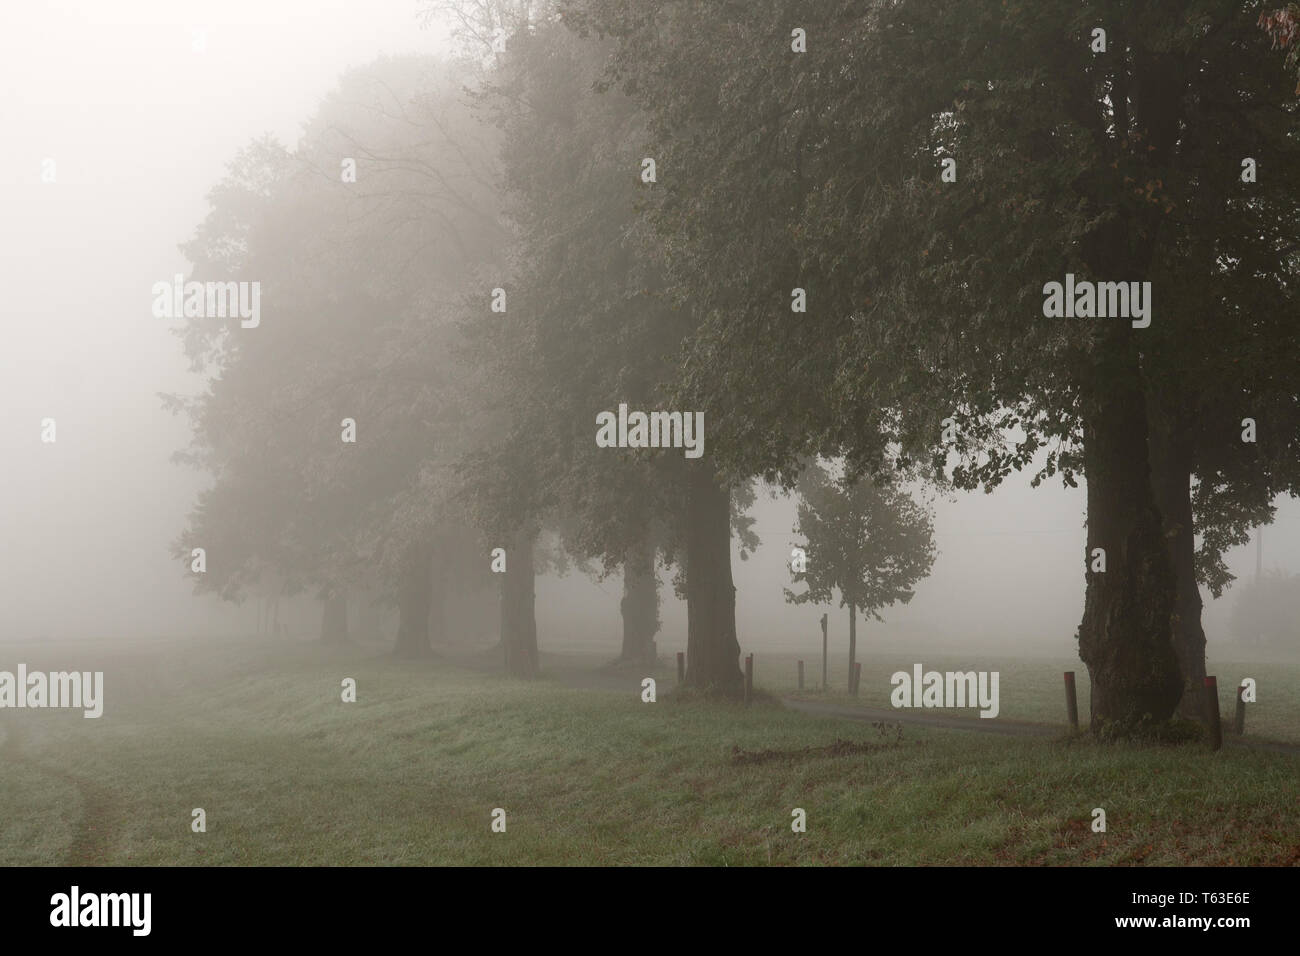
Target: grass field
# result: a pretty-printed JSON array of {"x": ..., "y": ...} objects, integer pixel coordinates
[{"x": 288, "y": 774}]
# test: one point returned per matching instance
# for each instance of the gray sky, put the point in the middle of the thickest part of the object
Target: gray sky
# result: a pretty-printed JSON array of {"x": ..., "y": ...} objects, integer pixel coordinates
[{"x": 140, "y": 125}]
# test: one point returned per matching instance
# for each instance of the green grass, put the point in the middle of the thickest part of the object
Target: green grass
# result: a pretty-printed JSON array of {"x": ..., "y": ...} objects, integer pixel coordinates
[{"x": 410, "y": 774}]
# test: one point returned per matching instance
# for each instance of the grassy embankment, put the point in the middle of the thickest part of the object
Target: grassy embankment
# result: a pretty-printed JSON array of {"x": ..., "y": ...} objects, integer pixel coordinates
[{"x": 410, "y": 774}]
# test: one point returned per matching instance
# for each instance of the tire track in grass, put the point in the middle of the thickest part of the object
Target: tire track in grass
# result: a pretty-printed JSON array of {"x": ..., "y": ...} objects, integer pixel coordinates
[{"x": 100, "y": 812}]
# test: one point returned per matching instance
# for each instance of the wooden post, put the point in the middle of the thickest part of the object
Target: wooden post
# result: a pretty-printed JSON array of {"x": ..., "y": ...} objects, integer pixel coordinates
[
  {"x": 801, "y": 675},
  {"x": 1071, "y": 702},
  {"x": 681, "y": 667},
  {"x": 749, "y": 677},
  {"x": 1212, "y": 712},
  {"x": 857, "y": 677},
  {"x": 825, "y": 685},
  {"x": 1239, "y": 725}
]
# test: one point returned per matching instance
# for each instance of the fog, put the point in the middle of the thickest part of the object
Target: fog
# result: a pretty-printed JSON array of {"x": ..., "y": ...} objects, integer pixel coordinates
[{"x": 141, "y": 125}]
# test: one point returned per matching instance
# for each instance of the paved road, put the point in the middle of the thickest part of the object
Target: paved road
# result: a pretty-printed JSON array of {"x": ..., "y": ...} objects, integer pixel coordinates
[
  {"x": 629, "y": 682},
  {"x": 1009, "y": 728},
  {"x": 982, "y": 724}
]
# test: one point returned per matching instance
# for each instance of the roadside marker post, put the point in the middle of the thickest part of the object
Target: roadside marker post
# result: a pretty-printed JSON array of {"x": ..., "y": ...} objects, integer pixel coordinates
[
  {"x": 1071, "y": 701},
  {"x": 1212, "y": 712}
]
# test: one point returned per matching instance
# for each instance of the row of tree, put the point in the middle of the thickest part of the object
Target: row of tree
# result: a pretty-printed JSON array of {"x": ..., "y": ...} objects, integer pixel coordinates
[
  {"x": 826, "y": 226},
  {"x": 1109, "y": 140}
]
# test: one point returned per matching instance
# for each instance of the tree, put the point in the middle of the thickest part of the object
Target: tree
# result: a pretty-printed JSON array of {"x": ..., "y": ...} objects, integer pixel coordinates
[
  {"x": 639, "y": 606},
  {"x": 926, "y": 336},
  {"x": 869, "y": 542},
  {"x": 588, "y": 327},
  {"x": 359, "y": 274}
]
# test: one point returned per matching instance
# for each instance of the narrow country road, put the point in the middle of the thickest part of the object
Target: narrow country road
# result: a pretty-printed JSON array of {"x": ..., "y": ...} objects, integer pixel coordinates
[{"x": 565, "y": 673}]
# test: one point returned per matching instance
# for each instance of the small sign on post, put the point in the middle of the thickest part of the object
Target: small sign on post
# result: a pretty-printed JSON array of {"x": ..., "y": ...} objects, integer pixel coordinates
[{"x": 1071, "y": 702}]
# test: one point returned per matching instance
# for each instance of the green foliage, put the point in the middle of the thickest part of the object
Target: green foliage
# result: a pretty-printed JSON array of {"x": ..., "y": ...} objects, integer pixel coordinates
[
  {"x": 924, "y": 297},
  {"x": 589, "y": 324},
  {"x": 870, "y": 542}
]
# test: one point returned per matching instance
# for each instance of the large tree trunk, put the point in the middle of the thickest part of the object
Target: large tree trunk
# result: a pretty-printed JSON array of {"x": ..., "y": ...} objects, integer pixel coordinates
[
  {"x": 1126, "y": 637},
  {"x": 414, "y": 596},
  {"x": 712, "y": 651},
  {"x": 518, "y": 607},
  {"x": 1171, "y": 479},
  {"x": 853, "y": 643},
  {"x": 334, "y": 617},
  {"x": 640, "y": 604}
]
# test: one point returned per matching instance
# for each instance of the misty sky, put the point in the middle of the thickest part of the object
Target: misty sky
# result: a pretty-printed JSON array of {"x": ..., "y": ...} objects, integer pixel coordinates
[{"x": 140, "y": 125}]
